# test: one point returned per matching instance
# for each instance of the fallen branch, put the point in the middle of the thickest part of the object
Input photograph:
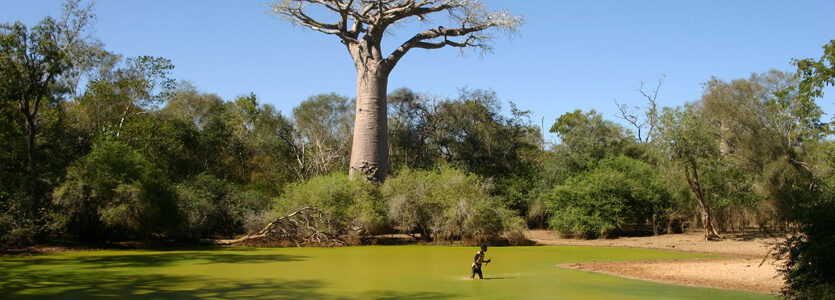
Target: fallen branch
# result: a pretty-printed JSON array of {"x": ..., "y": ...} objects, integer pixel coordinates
[{"x": 301, "y": 227}]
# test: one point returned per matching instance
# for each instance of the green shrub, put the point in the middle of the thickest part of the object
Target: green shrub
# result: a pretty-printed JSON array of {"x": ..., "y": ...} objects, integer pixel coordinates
[
  {"x": 448, "y": 204},
  {"x": 15, "y": 228},
  {"x": 616, "y": 192},
  {"x": 349, "y": 205},
  {"x": 213, "y": 206},
  {"x": 809, "y": 267},
  {"x": 115, "y": 191}
]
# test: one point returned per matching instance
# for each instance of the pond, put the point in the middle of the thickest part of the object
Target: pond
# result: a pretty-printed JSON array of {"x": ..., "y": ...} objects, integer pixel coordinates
[{"x": 368, "y": 272}]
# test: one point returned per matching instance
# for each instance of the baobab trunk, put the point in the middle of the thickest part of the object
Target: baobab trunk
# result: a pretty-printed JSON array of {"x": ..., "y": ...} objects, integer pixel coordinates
[
  {"x": 361, "y": 25},
  {"x": 369, "y": 149}
]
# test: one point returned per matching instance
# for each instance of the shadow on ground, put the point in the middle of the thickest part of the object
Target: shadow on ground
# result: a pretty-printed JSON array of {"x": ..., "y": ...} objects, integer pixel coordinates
[
  {"x": 107, "y": 286},
  {"x": 92, "y": 277},
  {"x": 155, "y": 259}
]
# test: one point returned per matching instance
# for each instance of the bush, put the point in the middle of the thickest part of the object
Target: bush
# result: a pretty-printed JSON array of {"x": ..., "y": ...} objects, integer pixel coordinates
[
  {"x": 213, "y": 206},
  {"x": 115, "y": 191},
  {"x": 810, "y": 266},
  {"x": 448, "y": 204},
  {"x": 616, "y": 192},
  {"x": 15, "y": 228},
  {"x": 349, "y": 206}
]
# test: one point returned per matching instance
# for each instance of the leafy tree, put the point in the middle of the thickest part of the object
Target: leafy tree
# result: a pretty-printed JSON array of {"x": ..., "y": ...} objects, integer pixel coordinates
[
  {"x": 693, "y": 145},
  {"x": 810, "y": 267},
  {"x": 470, "y": 133},
  {"x": 411, "y": 127},
  {"x": 30, "y": 62},
  {"x": 116, "y": 95},
  {"x": 448, "y": 204},
  {"x": 212, "y": 206},
  {"x": 361, "y": 26},
  {"x": 349, "y": 206},
  {"x": 767, "y": 131},
  {"x": 618, "y": 191},
  {"x": 324, "y": 126},
  {"x": 585, "y": 139},
  {"x": 116, "y": 192}
]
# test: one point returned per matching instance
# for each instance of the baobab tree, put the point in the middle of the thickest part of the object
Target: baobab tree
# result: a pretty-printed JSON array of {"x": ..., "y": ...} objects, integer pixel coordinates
[{"x": 361, "y": 24}]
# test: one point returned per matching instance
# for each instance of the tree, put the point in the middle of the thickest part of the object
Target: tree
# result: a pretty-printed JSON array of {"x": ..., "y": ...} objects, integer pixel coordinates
[
  {"x": 766, "y": 129},
  {"x": 31, "y": 61},
  {"x": 324, "y": 126},
  {"x": 694, "y": 146},
  {"x": 586, "y": 139},
  {"x": 629, "y": 113},
  {"x": 411, "y": 126},
  {"x": 361, "y": 25},
  {"x": 618, "y": 191},
  {"x": 810, "y": 266}
]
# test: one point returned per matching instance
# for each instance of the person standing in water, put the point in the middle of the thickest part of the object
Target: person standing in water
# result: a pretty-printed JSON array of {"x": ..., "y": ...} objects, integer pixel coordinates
[{"x": 477, "y": 261}]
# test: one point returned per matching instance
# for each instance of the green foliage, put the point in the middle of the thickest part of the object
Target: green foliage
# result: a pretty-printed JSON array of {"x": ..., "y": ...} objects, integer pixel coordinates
[
  {"x": 30, "y": 60},
  {"x": 810, "y": 266},
  {"x": 116, "y": 192},
  {"x": 448, "y": 204},
  {"x": 213, "y": 206},
  {"x": 410, "y": 128},
  {"x": 350, "y": 206},
  {"x": 816, "y": 74},
  {"x": 469, "y": 133},
  {"x": 618, "y": 191},
  {"x": 324, "y": 124},
  {"x": 586, "y": 138}
]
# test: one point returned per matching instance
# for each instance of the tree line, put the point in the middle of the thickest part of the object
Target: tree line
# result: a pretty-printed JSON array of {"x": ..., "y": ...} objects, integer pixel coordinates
[{"x": 100, "y": 147}]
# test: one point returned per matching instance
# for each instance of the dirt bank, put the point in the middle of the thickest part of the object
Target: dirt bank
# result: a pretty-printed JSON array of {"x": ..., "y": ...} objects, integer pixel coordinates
[{"x": 744, "y": 269}]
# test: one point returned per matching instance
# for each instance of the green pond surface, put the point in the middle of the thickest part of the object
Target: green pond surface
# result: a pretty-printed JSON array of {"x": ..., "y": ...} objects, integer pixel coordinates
[{"x": 369, "y": 272}]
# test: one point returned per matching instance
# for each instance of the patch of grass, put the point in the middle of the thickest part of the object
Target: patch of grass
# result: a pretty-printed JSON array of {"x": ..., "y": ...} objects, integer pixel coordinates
[{"x": 371, "y": 272}]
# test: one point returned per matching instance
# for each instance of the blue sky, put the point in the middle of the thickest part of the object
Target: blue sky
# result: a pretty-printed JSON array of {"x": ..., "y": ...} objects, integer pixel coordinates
[{"x": 569, "y": 54}]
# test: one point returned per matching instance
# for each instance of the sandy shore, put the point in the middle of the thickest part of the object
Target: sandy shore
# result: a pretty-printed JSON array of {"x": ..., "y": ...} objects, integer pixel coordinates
[{"x": 746, "y": 268}]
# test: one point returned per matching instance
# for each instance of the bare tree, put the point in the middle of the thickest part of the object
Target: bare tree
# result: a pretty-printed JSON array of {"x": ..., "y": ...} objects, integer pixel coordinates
[
  {"x": 361, "y": 25},
  {"x": 631, "y": 113}
]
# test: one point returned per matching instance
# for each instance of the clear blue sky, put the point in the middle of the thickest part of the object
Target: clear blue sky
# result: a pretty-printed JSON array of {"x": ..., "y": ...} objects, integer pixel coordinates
[{"x": 569, "y": 55}]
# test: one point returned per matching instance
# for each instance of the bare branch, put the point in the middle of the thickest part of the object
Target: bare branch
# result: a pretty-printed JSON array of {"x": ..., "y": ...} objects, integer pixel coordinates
[
  {"x": 474, "y": 20},
  {"x": 293, "y": 11}
]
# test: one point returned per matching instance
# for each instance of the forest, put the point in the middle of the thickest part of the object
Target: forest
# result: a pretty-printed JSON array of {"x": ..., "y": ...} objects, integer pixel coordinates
[{"x": 101, "y": 148}]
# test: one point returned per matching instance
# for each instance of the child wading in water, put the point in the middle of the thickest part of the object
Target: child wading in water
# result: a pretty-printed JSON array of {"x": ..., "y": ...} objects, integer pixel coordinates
[{"x": 477, "y": 261}]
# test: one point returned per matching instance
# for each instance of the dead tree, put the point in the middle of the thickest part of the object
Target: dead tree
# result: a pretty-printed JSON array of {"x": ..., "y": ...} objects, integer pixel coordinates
[
  {"x": 302, "y": 227},
  {"x": 630, "y": 113},
  {"x": 361, "y": 24}
]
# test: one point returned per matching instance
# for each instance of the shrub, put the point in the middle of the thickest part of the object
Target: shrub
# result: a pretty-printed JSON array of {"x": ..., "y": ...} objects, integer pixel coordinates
[
  {"x": 616, "y": 192},
  {"x": 349, "y": 206},
  {"x": 809, "y": 267},
  {"x": 15, "y": 228},
  {"x": 448, "y": 204},
  {"x": 115, "y": 191},
  {"x": 213, "y": 206}
]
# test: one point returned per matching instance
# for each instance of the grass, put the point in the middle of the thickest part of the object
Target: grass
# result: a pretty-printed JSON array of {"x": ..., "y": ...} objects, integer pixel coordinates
[{"x": 411, "y": 272}]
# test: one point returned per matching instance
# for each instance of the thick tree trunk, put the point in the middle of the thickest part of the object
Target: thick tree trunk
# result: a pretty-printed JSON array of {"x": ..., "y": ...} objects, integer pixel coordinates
[{"x": 369, "y": 151}]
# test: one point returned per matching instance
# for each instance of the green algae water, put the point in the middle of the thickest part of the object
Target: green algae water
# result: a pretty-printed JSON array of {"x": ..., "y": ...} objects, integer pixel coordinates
[{"x": 371, "y": 272}]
